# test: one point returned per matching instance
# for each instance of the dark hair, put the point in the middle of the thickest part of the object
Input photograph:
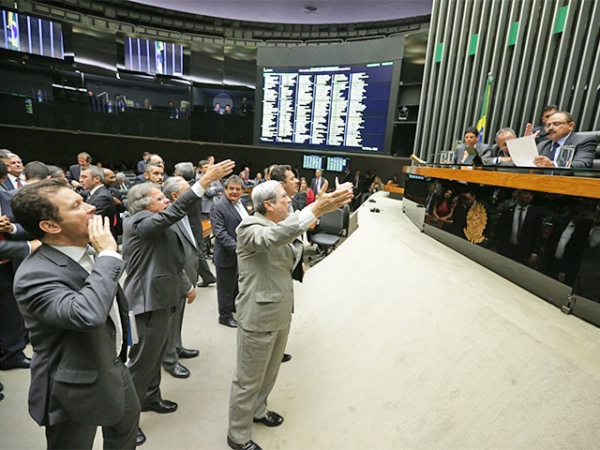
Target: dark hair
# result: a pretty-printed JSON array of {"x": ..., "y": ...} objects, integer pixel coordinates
[
  {"x": 31, "y": 205},
  {"x": 473, "y": 130},
  {"x": 567, "y": 115},
  {"x": 55, "y": 171},
  {"x": 547, "y": 108},
  {"x": 3, "y": 169},
  {"x": 278, "y": 172},
  {"x": 233, "y": 179},
  {"x": 36, "y": 170}
]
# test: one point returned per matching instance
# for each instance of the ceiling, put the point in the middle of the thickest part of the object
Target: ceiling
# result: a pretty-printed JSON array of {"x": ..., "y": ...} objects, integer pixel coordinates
[{"x": 293, "y": 11}]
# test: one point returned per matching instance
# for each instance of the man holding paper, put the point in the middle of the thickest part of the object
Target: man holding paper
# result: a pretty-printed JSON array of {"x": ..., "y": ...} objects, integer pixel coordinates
[{"x": 552, "y": 153}]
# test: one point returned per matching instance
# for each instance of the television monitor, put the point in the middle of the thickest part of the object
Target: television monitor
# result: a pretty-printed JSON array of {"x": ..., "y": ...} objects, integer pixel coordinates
[
  {"x": 33, "y": 35},
  {"x": 342, "y": 107},
  {"x": 153, "y": 57},
  {"x": 337, "y": 163},
  {"x": 312, "y": 162}
]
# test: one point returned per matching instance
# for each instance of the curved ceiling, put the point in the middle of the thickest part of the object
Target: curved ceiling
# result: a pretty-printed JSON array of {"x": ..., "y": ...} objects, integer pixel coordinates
[{"x": 293, "y": 11}]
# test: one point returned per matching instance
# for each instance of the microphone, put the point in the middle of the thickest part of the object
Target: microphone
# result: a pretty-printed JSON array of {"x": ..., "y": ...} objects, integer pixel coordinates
[{"x": 543, "y": 134}]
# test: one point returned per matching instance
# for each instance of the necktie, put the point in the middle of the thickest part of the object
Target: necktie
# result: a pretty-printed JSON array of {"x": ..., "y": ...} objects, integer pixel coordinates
[
  {"x": 19, "y": 183},
  {"x": 87, "y": 263},
  {"x": 520, "y": 224},
  {"x": 553, "y": 151}
]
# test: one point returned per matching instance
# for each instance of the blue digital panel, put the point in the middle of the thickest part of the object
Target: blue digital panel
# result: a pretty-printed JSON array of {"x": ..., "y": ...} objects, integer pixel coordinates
[{"x": 336, "y": 108}]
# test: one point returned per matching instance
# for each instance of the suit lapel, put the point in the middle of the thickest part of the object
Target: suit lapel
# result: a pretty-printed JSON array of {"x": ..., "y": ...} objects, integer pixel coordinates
[{"x": 184, "y": 232}]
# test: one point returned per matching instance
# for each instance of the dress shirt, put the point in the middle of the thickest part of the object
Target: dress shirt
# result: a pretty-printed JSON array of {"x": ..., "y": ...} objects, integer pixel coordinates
[
  {"x": 81, "y": 255},
  {"x": 560, "y": 143},
  {"x": 564, "y": 240},
  {"x": 13, "y": 180},
  {"x": 93, "y": 191},
  {"x": 240, "y": 208},
  {"x": 516, "y": 226}
]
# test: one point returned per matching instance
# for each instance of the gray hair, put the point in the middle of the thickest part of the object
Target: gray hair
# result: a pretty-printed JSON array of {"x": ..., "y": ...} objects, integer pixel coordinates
[
  {"x": 233, "y": 179},
  {"x": 95, "y": 171},
  {"x": 6, "y": 153},
  {"x": 55, "y": 171},
  {"x": 265, "y": 192},
  {"x": 173, "y": 184},
  {"x": 120, "y": 176},
  {"x": 506, "y": 130},
  {"x": 186, "y": 170},
  {"x": 137, "y": 197}
]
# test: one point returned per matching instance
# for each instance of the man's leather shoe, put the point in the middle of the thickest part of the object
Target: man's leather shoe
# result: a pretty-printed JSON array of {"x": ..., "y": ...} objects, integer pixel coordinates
[
  {"x": 178, "y": 371},
  {"x": 188, "y": 353},
  {"x": 250, "y": 445},
  {"x": 228, "y": 322},
  {"x": 1, "y": 397},
  {"x": 271, "y": 419},
  {"x": 140, "y": 438},
  {"x": 21, "y": 364},
  {"x": 206, "y": 283},
  {"x": 161, "y": 407},
  {"x": 286, "y": 357},
  {"x": 1, "y": 387}
]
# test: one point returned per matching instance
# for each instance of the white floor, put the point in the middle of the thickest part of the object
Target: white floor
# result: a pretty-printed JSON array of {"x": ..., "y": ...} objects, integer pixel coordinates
[{"x": 398, "y": 342}]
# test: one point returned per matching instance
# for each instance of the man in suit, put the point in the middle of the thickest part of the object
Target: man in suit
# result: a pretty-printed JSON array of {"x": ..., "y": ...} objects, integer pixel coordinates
[
  {"x": 142, "y": 163},
  {"x": 547, "y": 111},
  {"x": 268, "y": 251},
  {"x": 471, "y": 139},
  {"x": 83, "y": 160},
  {"x": 155, "y": 276},
  {"x": 212, "y": 194},
  {"x": 110, "y": 182},
  {"x": 15, "y": 178},
  {"x": 92, "y": 180},
  {"x": 498, "y": 154},
  {"x": 154, "y": 171},
  {"x": 12, "y": 339},
  {"x": 175, "y": 187},
  {"x": 317, "y": 182},
  {"x": 76, "y": 315},
  {"x": 121, "y": 182},
  {"x": 560, "y": 127},
  {"x": 284, "y": 174},
  {"x": 225, "y": 216}
]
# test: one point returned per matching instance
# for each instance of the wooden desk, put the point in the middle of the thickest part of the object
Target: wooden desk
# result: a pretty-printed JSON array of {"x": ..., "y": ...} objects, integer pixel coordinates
[{"x": 206, "y": 228}]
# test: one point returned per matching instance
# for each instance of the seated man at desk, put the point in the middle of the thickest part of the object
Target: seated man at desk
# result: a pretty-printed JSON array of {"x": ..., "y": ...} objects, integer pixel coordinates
[
  {"x": 498, "y": 154},
  {"x": 471, "y": 140},
  {"x": 560, "y": 127}
]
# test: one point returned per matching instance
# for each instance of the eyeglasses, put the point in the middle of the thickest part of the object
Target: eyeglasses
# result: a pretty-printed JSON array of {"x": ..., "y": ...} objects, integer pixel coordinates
[{"x": 555, "y": 124}]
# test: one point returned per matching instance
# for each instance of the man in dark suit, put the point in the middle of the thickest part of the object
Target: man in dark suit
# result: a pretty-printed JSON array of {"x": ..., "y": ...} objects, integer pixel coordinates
[
  {"x": 151, "y": 173},
  {"x": 15, "y": 178},
  {"x": 76, "y": 315},
  {"x": 498, "y": 154},
  {"x": 471, "y": 139},
  {"x": 92, "y": 180},
  {"x": 155, "y": 276},
  {"x": 560, "y": 127},
  {"x": 519, "y": 231},
  {"x": 83, "y": 160},
  {"x": 173, "y": 189},
  {"x": 121, "y": 182},
  {"x": 268, "y": 252},
  {"x": 225, "y": 216},
  {"x": 317, "y": 182},
  {"x": 284, "y": 174}
]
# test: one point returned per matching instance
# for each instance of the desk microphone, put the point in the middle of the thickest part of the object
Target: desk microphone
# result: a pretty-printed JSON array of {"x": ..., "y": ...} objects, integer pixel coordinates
[{"x": 543, "y": 134}]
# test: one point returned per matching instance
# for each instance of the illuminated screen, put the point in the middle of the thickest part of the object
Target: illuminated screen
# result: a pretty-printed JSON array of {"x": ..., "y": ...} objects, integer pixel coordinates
[
  {"x": 155, "y": 57},
  {"x": 22, "y": 33},
  {"x": 337, "y": 163},
  {"x": 312, "y": 162},
  {"x": 328, "y": 108}
]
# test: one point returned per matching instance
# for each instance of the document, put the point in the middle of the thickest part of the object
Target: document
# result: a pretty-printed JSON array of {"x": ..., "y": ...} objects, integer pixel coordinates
[{"x": 522, "y": 151}]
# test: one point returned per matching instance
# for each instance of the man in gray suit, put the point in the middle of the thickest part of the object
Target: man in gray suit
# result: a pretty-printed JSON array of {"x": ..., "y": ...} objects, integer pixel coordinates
[
  {"x": 560, "y": 127},
  {"x": 173, "y": 188},
  {"x": 155, "y": 278},
  {"x": 212, "y": 194},
  {"x": 268, "y": 251},
  {"x": 76, "y": 316}
]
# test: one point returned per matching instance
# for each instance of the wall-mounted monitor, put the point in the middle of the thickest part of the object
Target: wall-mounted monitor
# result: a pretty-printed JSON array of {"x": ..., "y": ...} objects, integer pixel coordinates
[
  {"x": 312, "y": 162},
  {"x": 342, "y": 107},
  {"x": 152, "y": 57},
  {"x": 337, "y": 163},
  {"x": 33, "y": 35}
]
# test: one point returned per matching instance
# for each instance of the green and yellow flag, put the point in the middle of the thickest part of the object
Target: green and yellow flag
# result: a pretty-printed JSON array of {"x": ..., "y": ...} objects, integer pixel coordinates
[
  {"x": 13, "y": 31},
  {"x": 485, "y": 105}
]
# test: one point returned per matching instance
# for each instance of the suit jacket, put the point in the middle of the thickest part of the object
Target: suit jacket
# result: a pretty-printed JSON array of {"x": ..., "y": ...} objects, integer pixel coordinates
[
  {"x": 6, "y": 209},
  {"x": 483, "y": 150},
  {"x": 7, "y": 185},
  {"x": 585, "y": 149},
  {"x": 530, "y": 240},
  {"x": 155, "y": 256},
  {"x": 103, "y": 200},
  {"x": 211, "y": 195},
  {"x": 74, "y": 172},
  {"x": 191, "y": 253},
  {"x": 313, "y": 184},
  {"x": 224, "y": 219},
  {"x": 490, "y": 158},
  {"x": 66, "y": 311},
  {"x": 267, "y": 254}
]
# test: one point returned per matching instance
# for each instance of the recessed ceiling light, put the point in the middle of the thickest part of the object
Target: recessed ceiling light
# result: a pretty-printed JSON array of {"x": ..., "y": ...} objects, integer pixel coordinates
[{"x": 311, "y": 9}]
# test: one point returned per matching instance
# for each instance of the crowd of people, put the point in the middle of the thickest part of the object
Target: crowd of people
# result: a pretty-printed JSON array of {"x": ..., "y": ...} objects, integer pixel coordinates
[{"x": 100, "y": 341}]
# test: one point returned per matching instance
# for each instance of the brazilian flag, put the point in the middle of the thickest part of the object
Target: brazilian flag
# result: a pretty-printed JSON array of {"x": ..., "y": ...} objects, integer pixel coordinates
[
  {"x": 12, "y": 31},
  {"x": 485, "y": 106},
  {"x": 160, "y": 57}
]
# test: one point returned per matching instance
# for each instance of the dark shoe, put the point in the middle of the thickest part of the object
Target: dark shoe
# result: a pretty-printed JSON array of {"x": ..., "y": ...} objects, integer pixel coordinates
[
  {"x": 228, "y": 322},
  {"x": 178, "y": 371},
  {"x": 1, "y": 387},
  {"x": 140, "y": 438},
  {"x": 21, "y": 364},
  {"x": 272, "y": 419},
  {"x": 206, "y": 283},
  {"x": 250, "y": 445},
  {"x": 187, "y": 353},
  {"x": 161, "y": 407},
  {"x": 1, "y": 397},
  {"x": 286, "y": 357}
]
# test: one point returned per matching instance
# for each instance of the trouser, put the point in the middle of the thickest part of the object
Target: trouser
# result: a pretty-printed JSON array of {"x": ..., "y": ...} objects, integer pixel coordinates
[
  {"x": 12, "y": 341},
  {"x": 73, "y": 434},
  {"x": 174, "y": 344},
  {"x": 258, "y": 359},
  {"x": 227, "y": 291},
  {"x": 146, "y": 356}
]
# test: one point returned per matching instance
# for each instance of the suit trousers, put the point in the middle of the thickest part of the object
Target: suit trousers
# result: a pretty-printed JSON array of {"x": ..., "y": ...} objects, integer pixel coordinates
[
  {"x": 122, "y": 435},
  {"x": 174, "y": 340},
  {"x": 258, "y": 359},
  {"x": 12, "y": 341},
  {"x": 146, "y": 357},
  {"x": 227, "y": 291}
]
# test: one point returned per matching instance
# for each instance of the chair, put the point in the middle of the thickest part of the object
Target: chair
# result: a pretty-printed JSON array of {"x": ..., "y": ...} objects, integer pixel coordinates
[
  {"x": 328, "y": 233},
  {"x": 345, "y": 220}
]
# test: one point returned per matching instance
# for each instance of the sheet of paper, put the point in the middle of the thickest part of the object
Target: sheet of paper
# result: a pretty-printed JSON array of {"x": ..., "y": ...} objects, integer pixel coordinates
[{"x": 522, "y": 151}]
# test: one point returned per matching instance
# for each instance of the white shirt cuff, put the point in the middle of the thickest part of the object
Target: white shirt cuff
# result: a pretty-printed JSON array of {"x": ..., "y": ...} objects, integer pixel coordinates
[
  {"x": 306, "y": 218},
  {"x": 109, "y": 253},
  {"x": 14, "y": 229},
  {"x": 198, "y": 189}
]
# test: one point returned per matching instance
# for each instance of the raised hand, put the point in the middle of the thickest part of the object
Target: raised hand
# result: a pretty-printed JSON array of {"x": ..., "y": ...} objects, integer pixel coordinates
[
  {"x": 216, "y": 171},
  {"x": 327, "y": 202},
  {"x": 99, "y": 234}
]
